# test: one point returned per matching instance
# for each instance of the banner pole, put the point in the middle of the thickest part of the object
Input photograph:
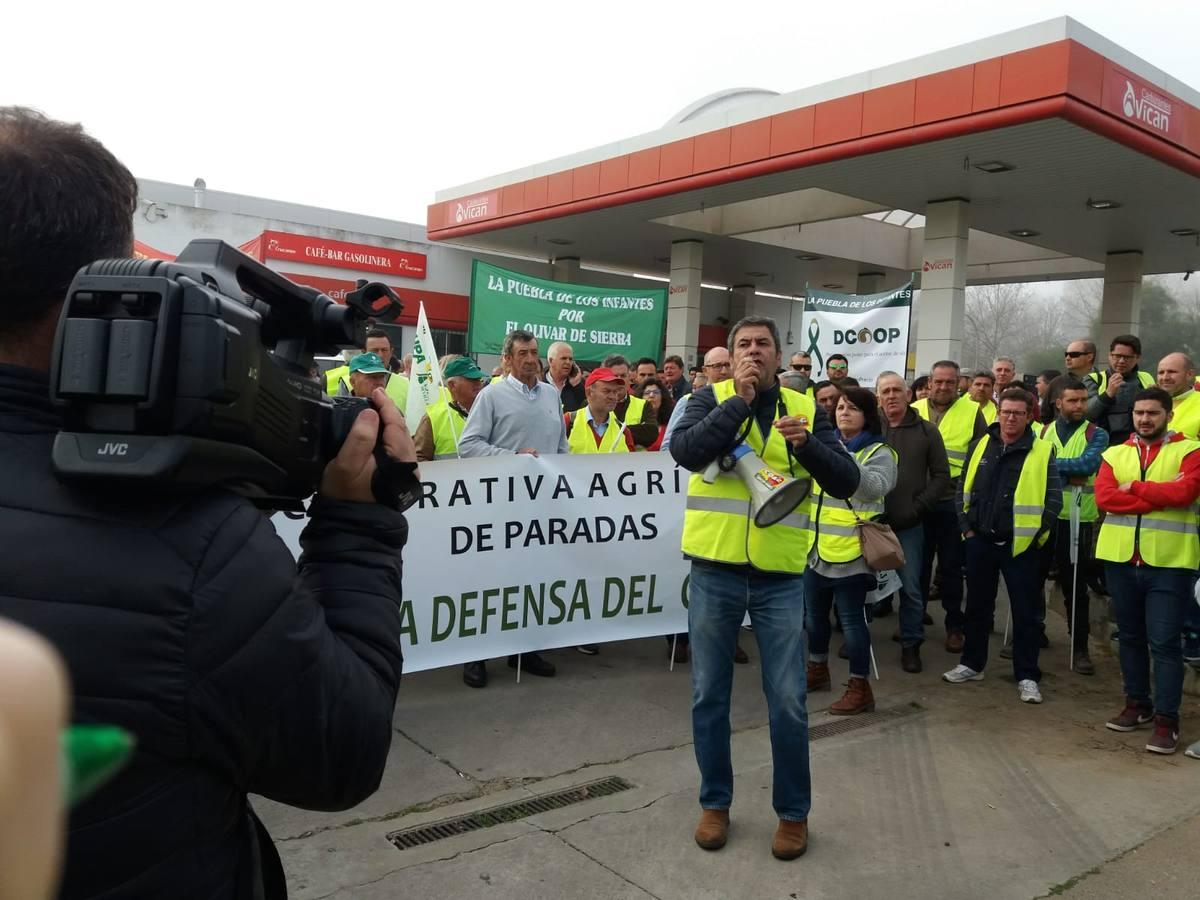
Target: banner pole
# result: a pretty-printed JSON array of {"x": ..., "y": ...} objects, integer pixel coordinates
[
  {"x": 674, "y": 639},
  {"x": 518, "y": 668},
  {"x": 1076, "y": 502}
]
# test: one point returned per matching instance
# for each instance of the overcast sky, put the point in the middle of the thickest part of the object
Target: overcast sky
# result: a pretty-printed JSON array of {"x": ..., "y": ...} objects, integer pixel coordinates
[{"x": 372, "y": 107}]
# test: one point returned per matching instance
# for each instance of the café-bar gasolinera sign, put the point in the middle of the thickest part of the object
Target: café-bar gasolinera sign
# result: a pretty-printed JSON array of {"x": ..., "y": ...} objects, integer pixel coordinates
[
  {"x": 595, "y": 321},
  {"x": 342, "y": 254}
]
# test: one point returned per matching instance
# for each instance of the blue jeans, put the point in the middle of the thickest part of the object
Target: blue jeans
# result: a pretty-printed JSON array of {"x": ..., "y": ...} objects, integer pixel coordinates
[
  {"x": 986, "y": 562},
  {"x": 1151, "y": 604},
  {"x": 850, "y": 595},
  {"x": 718, "y": 598},
  {"x": 912, "y": 598},
  {"x": 942, "y": 536}
]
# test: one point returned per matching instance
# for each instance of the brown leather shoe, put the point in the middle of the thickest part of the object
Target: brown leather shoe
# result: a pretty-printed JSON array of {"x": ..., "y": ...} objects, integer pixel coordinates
[
  {"x": 713, "y": 828},
  {"x": 791, "y": 839},
  {"x": 818, "y": 676},
  {"x": 857, "y": 699},
  {"x": 955, "y": 640}
]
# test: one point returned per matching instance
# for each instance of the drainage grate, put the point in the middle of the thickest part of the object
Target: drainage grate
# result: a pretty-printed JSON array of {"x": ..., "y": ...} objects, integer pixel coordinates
[
  {"x": 863, "y": 720},
  {"x": 509, "y": 812}
]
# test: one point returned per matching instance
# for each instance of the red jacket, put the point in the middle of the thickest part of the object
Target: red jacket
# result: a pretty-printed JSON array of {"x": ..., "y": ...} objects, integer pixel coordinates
[{"x": 1147, "y": 496}]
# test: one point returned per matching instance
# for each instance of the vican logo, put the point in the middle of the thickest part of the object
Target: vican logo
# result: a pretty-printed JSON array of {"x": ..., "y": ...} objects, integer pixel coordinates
[
  {"x": 113, "y": 449},
  {"x": 937, "y": 265},
  {"x": 475, "y": 208},
  {"x": 1147, "y": 107}
]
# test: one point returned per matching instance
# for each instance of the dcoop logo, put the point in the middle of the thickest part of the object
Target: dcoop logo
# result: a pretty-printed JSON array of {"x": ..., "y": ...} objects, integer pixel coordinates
[{"x": 866, "y": 336}]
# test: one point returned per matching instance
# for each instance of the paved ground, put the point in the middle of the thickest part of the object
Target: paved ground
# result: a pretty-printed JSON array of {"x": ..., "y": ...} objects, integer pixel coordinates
[{"x": 959, "y": 792}]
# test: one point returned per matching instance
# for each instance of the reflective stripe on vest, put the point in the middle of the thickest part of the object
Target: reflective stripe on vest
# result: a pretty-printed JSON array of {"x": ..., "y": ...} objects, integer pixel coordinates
[
  {"x": 837, "y": 536},
  {"x": 717, "y": 524},
  {"x": 957, "y": 428},
  {"x": 447, "y": 424},
  {"x": 1166, "y": 538},
  {"x": 1030, "y": 497},
  {"x": 1074, "y": 448},
  {"x": 583, "y": 440},
  {"x": 1185, "y": 415}
]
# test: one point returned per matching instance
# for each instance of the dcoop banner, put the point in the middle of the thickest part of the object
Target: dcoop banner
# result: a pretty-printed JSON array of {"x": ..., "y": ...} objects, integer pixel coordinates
[
  {"x": 870, "y": 330},
  {"x": 595, "y": 321},
  {"x": 518, "y": 553}
]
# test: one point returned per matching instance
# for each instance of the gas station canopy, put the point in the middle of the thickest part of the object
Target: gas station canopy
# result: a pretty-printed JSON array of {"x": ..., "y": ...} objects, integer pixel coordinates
[{"x": 1044, "y": 153}]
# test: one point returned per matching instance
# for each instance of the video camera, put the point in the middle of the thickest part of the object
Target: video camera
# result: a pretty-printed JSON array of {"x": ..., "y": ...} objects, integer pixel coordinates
[{"x": 195, "y": 373}]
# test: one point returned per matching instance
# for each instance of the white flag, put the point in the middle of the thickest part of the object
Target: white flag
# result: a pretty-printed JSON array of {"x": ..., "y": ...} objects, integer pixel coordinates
[{"x": 425, "y": 382}]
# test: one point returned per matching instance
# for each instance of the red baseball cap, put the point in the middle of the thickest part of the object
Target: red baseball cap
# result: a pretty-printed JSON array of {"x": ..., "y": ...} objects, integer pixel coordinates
[{"x": 602, "y": 374}]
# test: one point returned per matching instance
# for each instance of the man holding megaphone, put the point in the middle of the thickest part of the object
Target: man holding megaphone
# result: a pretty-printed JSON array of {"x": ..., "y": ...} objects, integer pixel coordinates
[{"x": 754, "y": 449}]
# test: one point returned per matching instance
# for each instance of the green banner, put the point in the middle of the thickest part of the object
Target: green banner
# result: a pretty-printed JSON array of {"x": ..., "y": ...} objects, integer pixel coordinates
[{"x": 595, "y": 321}]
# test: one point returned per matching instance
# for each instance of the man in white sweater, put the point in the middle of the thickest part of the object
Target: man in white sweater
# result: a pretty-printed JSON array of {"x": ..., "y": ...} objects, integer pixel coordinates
[{"x": 519, "y": 413}]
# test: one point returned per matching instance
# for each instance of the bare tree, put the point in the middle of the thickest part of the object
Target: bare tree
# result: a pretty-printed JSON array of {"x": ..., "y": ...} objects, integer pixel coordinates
[{"x": 998, "y": 318}]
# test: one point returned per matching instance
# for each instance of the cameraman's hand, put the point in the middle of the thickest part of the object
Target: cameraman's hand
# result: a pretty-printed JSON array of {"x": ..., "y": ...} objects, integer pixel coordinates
[{"x": 348, "y": 475}]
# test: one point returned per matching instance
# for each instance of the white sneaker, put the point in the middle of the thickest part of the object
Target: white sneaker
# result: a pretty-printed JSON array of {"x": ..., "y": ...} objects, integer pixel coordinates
[
  {"x": 1028, "y": 690},
  {"x": 1193, "y": 751},
  {"x": 961, "y": 673}
]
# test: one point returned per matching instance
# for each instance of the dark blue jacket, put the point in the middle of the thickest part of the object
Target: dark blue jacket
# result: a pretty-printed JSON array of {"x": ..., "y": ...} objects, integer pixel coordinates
[{"x": 184, "y": 620}]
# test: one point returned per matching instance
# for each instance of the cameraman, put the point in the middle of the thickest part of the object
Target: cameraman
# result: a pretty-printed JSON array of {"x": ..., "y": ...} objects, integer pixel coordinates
[{"x": 183, "y": 619}]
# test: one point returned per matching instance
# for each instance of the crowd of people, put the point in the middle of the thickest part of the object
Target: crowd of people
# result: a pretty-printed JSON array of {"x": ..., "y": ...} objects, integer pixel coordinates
[{"x": 979, "y": 476}]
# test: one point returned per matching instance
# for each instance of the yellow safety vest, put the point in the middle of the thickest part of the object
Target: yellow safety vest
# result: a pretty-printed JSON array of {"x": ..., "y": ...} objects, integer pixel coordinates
[
  {"x": 718, "y": 524},
  {"x": 989, "y": 412},
  {"x": 334, "y": 377},
  {"x": 1030, "y": 497},
  {"x": 957, "y": 427},
  {"x": 1073, "y": 449},
  {"x": 582, "y": 440},
  {"x": 637, "y": 408},
  {"x": 1185, "y": 415},
  {"x": 397, "y": 389},
  {"x": 836, "y": 532},
  {"x": 447, "y": 424},
  {"x": 1101, "y": 380},
  {"x": 1167, "y": 538}
]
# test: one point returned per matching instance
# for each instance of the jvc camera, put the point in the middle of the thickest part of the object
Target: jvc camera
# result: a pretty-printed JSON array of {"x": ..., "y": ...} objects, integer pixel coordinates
[{"x": 197, "y": 373}]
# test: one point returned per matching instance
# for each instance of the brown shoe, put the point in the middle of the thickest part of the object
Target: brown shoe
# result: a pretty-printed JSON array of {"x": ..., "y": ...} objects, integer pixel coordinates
[
  {"x": 857, "y": 699},
  {"x": 818, "y": 677},
  {"x": 791, "y": 839},
  {"x": 713, "y": 828},
  {"x": 955, "y": 640}
]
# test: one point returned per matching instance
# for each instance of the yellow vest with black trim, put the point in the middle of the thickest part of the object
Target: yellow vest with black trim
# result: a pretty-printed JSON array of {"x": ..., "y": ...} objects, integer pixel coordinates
[
  {"x": 989, "y": 412},
  {"x": 447, "y": 424},
  {"x": 1185, "y": 415},
  {"x": 637, "y": 409},
  {"x": 1030, "y": 497},
  {"x": 836, "y": 532},
  {"x": 957, "y": 428},
  {"x": 1073, "y": 449},
  {"x": 718, "y": 524},
  {"x": 1101, "y": 380},
  {"x": 1167, "y": 538},
  {"x": 583, "y": 440},
  {"x": 334, "y": 377}
]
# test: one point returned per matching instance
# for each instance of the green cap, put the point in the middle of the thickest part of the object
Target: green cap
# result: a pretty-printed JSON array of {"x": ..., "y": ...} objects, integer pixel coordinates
[
  {"x": 368, "y": 364},
  {"x": 463, "y": 367}
]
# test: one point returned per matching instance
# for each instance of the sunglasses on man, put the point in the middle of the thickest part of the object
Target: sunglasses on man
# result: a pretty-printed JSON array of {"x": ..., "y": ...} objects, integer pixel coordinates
[
  {"x": 1075, "y": 354},
  {"x": 796, "y": 367}
]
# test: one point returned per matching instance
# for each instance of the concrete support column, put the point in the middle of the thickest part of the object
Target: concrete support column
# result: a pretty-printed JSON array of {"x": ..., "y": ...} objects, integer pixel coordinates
[
  {"x": 869, "y": 283},
  {"x": 565, "y": 268},
  {"x": 683, "y": 300},
  {"x": 1121, "y": 308},
  {"x": 741, "y": 299},
  {"x": 942, "y": 309}
]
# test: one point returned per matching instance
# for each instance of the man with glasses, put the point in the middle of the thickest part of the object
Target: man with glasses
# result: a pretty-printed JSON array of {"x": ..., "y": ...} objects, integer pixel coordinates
[
  {"x": 960, "y": 423},
  {"x": 837, "y": 367},
  {"x": 716, "y": 368},
  {"x": 1080, "y": 359},
  {"x": 1111, "y": 392},
  {"x": 802, "y": 364}
]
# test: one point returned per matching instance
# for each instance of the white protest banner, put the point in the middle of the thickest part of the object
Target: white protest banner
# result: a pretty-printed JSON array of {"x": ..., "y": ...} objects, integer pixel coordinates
[
  {"x": 870, "y": 330},
  {"x": 425, "y": 383},
  {"x": 518, "y": 553}
]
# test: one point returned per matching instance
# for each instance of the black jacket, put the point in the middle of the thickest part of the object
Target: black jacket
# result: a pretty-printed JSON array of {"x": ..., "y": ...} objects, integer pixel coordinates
[
  {"x": 990, "y": 514},
  {"x": 184, "y": 621},
  {"x": 707, "y": 429},
  {"x": 923, "y": 475}
]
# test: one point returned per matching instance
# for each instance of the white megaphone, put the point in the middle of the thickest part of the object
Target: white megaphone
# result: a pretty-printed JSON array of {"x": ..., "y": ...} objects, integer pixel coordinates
[{"x": 773, "y": 495}]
